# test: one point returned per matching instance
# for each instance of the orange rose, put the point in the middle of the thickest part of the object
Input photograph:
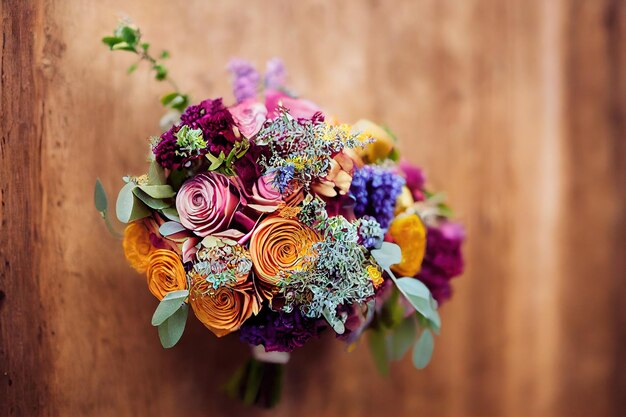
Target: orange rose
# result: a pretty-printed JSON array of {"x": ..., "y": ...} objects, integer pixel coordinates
[
  {"x": 223, "y": 310},
  {"x": 137, "y": 245},
  {"x": 280, "y": 245},
  {"x": 165, "y": 273},
  {"x": 408, "y": 231}
]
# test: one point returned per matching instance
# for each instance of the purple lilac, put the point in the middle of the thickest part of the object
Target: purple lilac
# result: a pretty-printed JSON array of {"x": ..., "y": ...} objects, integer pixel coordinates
[
  {"x": 278, "y": 331},
  {"x": 375, "y": 190},
  {"x": 275, "y": 74},
  {"x": 443, "y": 259},
  {"x": 246, "y": 82}
]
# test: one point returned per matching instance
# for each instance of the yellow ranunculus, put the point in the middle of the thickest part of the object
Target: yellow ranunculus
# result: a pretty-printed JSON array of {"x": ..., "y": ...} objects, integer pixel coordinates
[
  {"x": 404, "y": 201},
  {"x": 137, "y": 245},
  {"x": 165, "y": 273},
  {"x": 409, "y": 232},
  {"x": 382, "y": 145}
]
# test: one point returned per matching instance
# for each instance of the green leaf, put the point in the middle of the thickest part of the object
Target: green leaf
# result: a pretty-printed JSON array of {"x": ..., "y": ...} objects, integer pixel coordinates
[
  {"x": 403, "y": 337},
  {"x": 153, "y": 203},
  {"x": 100, "y": 197},
  {"x": 111, "y": 41},
  {"x": 129, "y": 35},
  {"x": 161, "y": 72},
  {"x": 423, "y": 349},
  {"x": 388, "y": 254},
  {"x": 171, "y": 330},
  {"x": 180, "y": 103},
  {"x": 158, "y": 191},
  {"x": 170, "y": 228},
  {"x": 128, "y": 207},
  {"x": 168, "y": 98},
  {"x": 164, "y": 54},
  {"x": 156, "y": 174},
  {"x": 132, "y": 68},
  {"x": 168, "y": 306},
  {"x": 171, "y": 214},
  {"x": 420, "y": 298},
  {"x": 123, "y": 46},
  {"x": 145, "y": 46},
  {"x": 378, "y": 348}
]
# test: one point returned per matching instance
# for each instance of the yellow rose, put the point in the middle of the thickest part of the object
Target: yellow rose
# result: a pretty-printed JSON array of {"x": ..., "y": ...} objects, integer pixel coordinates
[
  {"x": 382, "y": 145},
  {"x": 278, "y": 245},
  {"x": 409, "y": 232},
  {"x": 223, "y": 310},
  {"x": 165, "y": 273},
  {"x": 137, "y": 245}
]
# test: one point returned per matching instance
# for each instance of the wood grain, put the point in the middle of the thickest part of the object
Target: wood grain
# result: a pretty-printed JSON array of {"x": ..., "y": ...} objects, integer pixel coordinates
[{"x": 516, "y": 109}]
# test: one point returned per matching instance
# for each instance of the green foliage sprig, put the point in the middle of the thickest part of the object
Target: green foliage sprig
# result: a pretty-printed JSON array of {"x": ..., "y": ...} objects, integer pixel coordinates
[{"x": 127, "y": 37}]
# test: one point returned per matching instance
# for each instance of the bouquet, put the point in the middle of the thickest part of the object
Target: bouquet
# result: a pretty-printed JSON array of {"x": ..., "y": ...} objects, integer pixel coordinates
[{"x": 270, "y": 218}]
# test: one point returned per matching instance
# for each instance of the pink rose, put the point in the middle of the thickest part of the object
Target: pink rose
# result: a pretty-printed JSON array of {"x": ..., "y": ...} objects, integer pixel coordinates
[
  {"x": 206, "y": 203},
  {"x": 265, "y": 197},
  {"x": 249, "y": 116},
  {"x": 298, "y": 108}
]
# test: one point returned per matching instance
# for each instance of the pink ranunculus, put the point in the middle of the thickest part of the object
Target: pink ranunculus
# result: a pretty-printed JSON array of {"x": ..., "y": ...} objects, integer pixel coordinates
[
  {"x": 206, "y": 203},
  {"x": 249, "y": 116},
  {"x": 265, "y": 197},
  {"x": 298, "y": 108}
]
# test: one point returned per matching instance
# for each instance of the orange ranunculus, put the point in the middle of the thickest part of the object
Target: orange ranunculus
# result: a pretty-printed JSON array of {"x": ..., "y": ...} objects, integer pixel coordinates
[
  {"x": 382, "y": 145},
  {"x": 137, "y": 245},
  {"x": 222, "y": 310},
  {"x": 280, "y": 245},
  {"x": 165, "y": 273},
  {"x": 409, "y": 232}
]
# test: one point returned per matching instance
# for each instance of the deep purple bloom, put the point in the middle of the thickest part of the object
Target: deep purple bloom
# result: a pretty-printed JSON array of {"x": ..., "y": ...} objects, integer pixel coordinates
[
  {"x": 375, "y": 190},
  {"x": 415, "y": 179},
  {"x": 278, "y": 331},
  {"x": 216, "y": 124},
  {"x": 246, "y": 81},
  {"x": 443, "y": 259}
]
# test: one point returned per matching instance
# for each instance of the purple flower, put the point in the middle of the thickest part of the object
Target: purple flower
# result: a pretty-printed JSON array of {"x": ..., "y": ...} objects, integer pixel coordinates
[
  {"x": 216, "y": 124},
  {"x": 375, "y": 190},
  {"x": 246, "y": 82},
  {"x": 275, "y": 74},
  {"x": 443, "y": 259},
  {"x": 279, "y": 331},
  {"x": 415, "y": 179}
]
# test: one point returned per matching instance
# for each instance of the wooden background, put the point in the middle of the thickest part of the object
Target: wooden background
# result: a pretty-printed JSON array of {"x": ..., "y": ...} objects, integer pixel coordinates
[{"x": 516, "y": 108}]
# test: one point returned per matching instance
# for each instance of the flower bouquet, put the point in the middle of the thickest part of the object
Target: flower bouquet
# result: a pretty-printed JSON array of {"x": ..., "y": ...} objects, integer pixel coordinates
[{"x": 272, "y": 219}]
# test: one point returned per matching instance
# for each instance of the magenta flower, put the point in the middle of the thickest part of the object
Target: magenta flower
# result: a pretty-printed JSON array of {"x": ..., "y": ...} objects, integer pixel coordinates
[
  {"x": 297, "y": 107},
  {"x": 206, "y": 203},
  {"x": 265, "y": 196},
  {"x": 249, "y": 116}
]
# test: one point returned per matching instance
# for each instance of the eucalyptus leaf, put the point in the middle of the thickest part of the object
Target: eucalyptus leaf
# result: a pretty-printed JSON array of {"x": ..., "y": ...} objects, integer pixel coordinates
[
  {"x": 168, "y": 306},
  {"x": 171, "y": 213},
  {"x": 158, "y": 191},
  {"x": 169, "y": 228},
  {"x": 378, "y": 348},
  {"x": 156, "y": 174},
  {"x": 403, "y": 337},
  {"x": 128, "y": 207},
  {"x": 153, "y": 203},
  {"x": 100, "y": 197},
  {"x": 421, "y": 299},
  {"x": 423, "y": 349},
  {"x": 171, "y": 330},
  {"x": 388, "y": 254}
]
